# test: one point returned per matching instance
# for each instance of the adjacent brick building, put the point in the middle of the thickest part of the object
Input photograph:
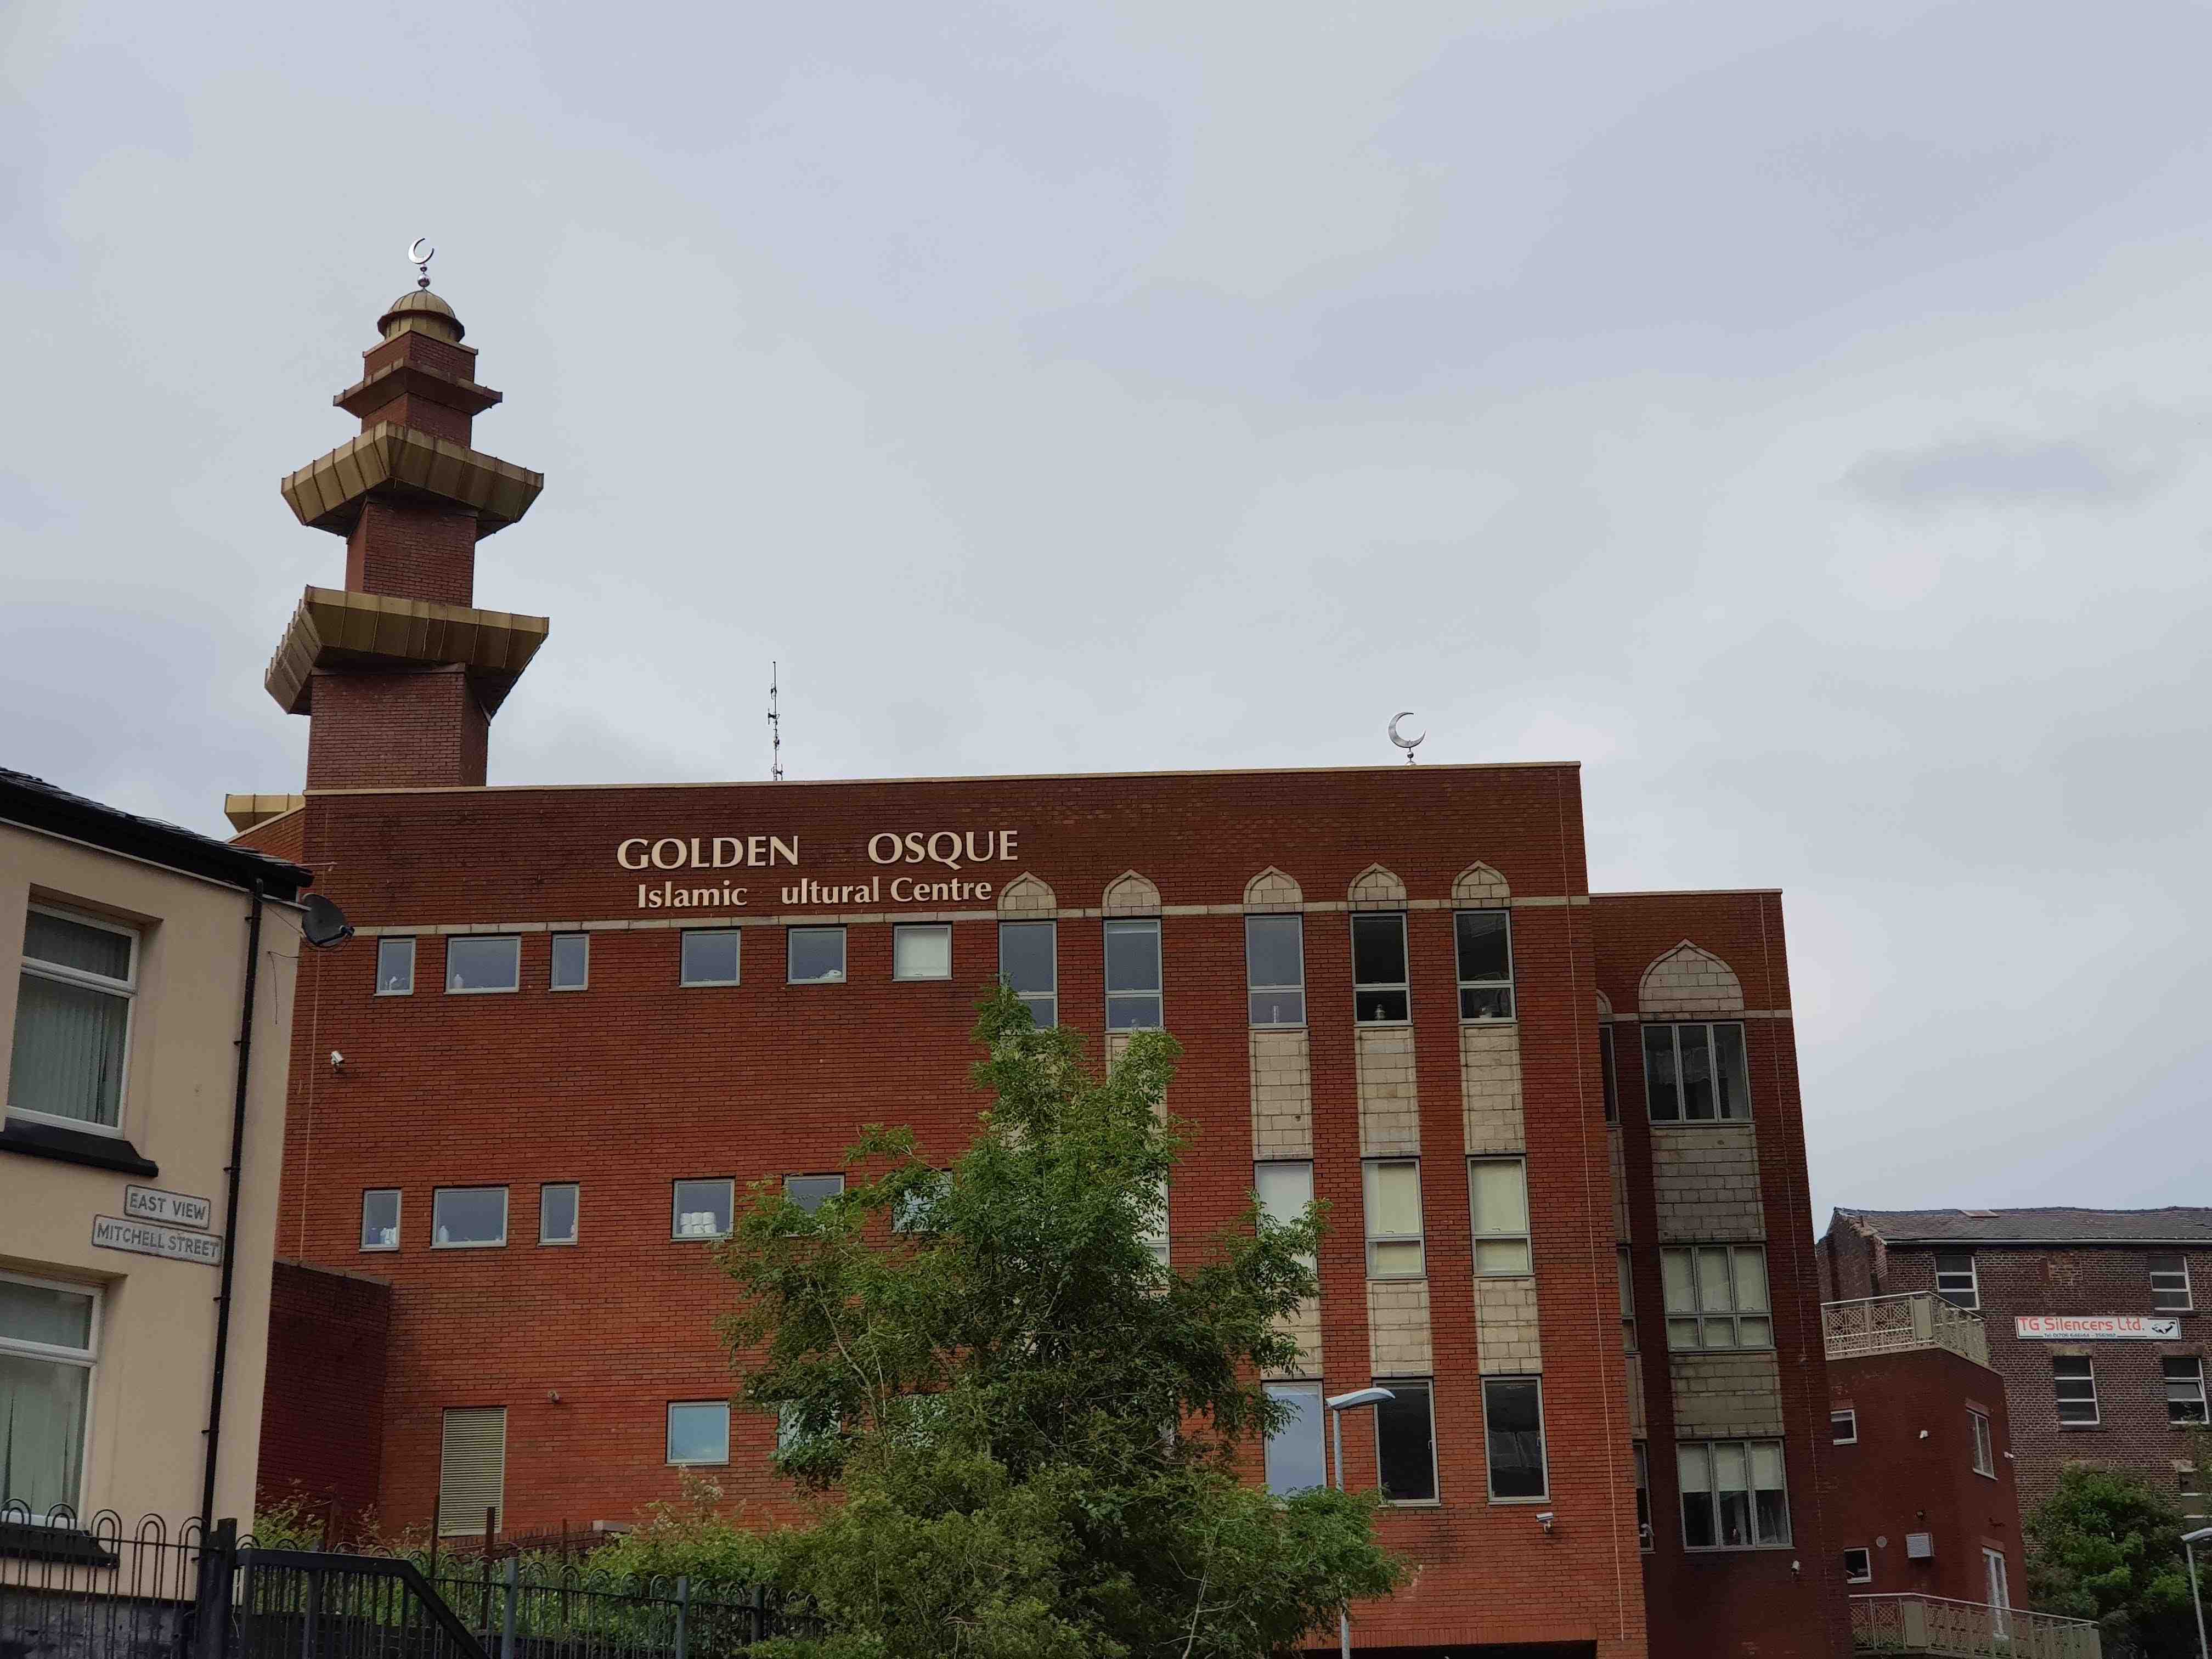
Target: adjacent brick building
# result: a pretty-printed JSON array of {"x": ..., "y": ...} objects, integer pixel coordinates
[
  {"x": 1560, "y": 1133},
  {"x": 2091, "y": 1316}
]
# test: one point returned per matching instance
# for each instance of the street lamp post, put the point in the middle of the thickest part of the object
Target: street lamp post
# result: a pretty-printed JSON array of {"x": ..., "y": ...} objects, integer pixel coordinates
[
  {"x": 2190, "y": 1540},
  {"x": 1337, "y": 1408}
]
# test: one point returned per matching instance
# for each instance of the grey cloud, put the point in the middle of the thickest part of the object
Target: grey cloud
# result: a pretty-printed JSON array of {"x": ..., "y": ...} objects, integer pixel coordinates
[{"x": 2000, "y": 470}]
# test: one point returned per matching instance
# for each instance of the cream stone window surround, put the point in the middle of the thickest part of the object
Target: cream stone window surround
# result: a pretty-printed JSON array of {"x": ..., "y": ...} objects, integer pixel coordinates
[{"x": 80, "y": 984}]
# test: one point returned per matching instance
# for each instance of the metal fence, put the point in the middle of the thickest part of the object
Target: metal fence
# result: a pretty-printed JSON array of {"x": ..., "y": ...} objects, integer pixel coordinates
[
  {"x": 94, "y": 1589},
  {"x": 1936, "y": 1624}
]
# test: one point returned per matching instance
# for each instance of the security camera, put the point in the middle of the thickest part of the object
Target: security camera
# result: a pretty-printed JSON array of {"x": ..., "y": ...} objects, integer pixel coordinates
[
  {"x": 337, "y": 1061},
  {"x": 1924, "y": 1434},
  {"x": 1544, "y": 1520}
]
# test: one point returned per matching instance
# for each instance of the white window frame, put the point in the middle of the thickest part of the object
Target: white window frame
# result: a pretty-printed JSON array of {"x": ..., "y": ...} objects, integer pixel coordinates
[
  {"x": 1974, "y": 1276},
  {"x": 1751, "y": 1496},
  {"x": 943, "y": 928},
  {"x": 2169, "y": 1381},
  {"x": 506, "y": 1218},
  {"x": 553, "y": 955},
  {"x": 1865, "y": 1574},
  {"x": 398, "y": 1212},
  {"x": 1735, "y": 1313},
  {"x": 1418, "y": 1238},
  {"x": 668, "y": 1437},
  {"x": 453, "y": 990},
  {"x": 127, "y": 989},
  {"x": 738, "y": 978},
  {"x": 545, "y": 1187},
  {"x": 1997, "y": 1577},
  {"x": 1466, "y": 985},
  {"x": 2188, "y": 1299},
  {"x": 1253, "y": 988},
  {"x": 844, "y": 961},
  {"x": 1402, "y": 987},
  {"x": 85, "y": 1359},
  {"x": 1030, "y": 1000},
  {"x": 1493, "y": 1235},
  {"x": 1836, "y": 1419},
  {"x": 1985, "y": 1442},
  {"x": 1682, "y": 1119},
  {"x": 675, "y": 1210},
  {"x": 1129, "y": 925},
  {"x": 414, "y": 953},
  {"x": 2096, "y": 1418}
]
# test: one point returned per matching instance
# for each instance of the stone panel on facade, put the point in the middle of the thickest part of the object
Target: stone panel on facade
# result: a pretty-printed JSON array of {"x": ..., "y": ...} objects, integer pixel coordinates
[
  {"x": 1389, "y": 1096},
  {"x": 1704, "y": 1182},
  {"x": 1282, "y": 1093},
  {"x": 1720, "y": 1396},
  {"x": 1398, "y": 1339},
  {"x": 1506, "y": 1340},
  {"x": 1490, "y": 1085}
]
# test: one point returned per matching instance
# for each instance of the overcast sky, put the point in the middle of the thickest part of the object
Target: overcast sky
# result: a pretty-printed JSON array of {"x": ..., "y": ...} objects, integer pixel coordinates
[{"x": 1794, "y": 413}]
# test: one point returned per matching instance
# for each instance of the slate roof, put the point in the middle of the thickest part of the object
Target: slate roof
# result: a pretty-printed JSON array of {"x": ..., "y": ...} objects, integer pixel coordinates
[
  {"x": 39, "y": 804},
  {"x": 2177, "y": 1225}
]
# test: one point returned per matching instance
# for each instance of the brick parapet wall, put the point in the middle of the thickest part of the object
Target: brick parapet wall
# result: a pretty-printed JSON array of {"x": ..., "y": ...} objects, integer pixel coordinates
[{"x": 322, "y": 1415}]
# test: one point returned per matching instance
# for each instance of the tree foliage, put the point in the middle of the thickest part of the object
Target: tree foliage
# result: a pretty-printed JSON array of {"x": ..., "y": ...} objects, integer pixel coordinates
[
  {"x": 1020, "y": 1429},
  {"x": 2107, "y": 1546}
]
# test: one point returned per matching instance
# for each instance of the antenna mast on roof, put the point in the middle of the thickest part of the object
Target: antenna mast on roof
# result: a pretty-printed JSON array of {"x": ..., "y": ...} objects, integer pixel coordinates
[{"x": 774, "y": 729}]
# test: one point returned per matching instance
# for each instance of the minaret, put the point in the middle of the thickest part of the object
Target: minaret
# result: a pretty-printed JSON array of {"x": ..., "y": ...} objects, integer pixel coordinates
[{"x": 399, "y": 674}]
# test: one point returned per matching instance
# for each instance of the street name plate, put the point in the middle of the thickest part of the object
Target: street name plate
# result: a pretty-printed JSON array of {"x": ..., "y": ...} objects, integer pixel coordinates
[
  {"x": 177, "y": 1209},
  {"x": 110, "y": 1232}
]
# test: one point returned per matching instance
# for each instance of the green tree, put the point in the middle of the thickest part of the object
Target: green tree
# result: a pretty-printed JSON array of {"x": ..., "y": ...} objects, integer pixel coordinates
[
  {"x": 1020, "y": 1429},
  {"x": 2107, "y": 1546}
]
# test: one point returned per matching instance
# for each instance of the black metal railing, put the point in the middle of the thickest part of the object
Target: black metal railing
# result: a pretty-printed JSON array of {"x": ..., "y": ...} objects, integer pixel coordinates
[{"x": 92, "y": 1589}]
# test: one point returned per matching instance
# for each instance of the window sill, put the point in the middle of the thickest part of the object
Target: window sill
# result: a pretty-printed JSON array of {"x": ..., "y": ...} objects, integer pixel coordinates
[
  {"x": 474, "y": 1244},
  {"x": 80, "y": 1146},
  {"x": 1700, "y": 1123},
  {"x": 484, "y": 990},
  {"x": 1435, "y": 1504},
  {"x": 65, "y": 1545}
]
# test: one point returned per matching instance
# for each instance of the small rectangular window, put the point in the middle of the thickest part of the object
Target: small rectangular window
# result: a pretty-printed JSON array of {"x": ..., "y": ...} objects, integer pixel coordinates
[
  {"x": 1393, "y": 1194},
  {"x": 1380, "y": 995},
  {"x": 814, "y": 956},
  {"x": 472, "y": 1470},
  {"x": 2169, "y": 1284},
  {"x": 468, "y": 1218},
  {"x": 1643, "y": 1458},
  {"x": 1985, "y": 1455},
  {"x": 80, "y": 975},
  {"x": 711, "y": 956},
  {"x": 1484, "y": 941},
  {"x": 703, "y": 1209},
  {"x": 558, "y": 1203},
  {"x": 1029, "y": 963},
  {"x": 1295, "y": 1454},
  {"x": 2074, "y": 1381},
  {"x": 811, "y": 1192},
  {"x": 1732, "y": 1494},
  {"x": 1628, "y": 1298},
  {"x": 921, "y": 950},
  {"x": 1955, "y": 1279},
  {"x": 1513, "y": 1420},
  {"x": 1843, "y": 1427},
  {"x": 915, "y": 1210},
  {"x": 1133, "y": 974},
  {"x": 379, "y": 1219},
  {"x": 699, "y": 1431},
  {"x": 1275, "y": 970},
  {"x": 2185, "y": 1389},
  {"x": 482, "y": 962},
  {"x": 1859, "y": 1566},
  {"x": 572, "y": 961},
  {"x": 1406, "y": 1443},
  {"x": 395, "y": 967},
  {"x": 1609, "y": 1075},
  {"x": 1284, "y": 1187},
  {"x": 1716, "y": 1297},
  {"x": 1696, "y": 1073},
  {"x": 1499, "y": 1189}
]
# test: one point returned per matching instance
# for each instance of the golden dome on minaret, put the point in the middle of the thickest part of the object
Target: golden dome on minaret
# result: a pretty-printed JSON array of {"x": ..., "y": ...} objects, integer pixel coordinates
[{"x": 418, "y": 310}]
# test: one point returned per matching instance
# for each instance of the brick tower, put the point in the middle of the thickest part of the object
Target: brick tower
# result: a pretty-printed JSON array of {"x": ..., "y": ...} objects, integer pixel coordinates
[{"x": 397, "y": 673}]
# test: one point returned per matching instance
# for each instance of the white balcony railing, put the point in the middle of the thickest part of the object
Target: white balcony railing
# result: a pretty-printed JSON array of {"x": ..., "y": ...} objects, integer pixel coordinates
[
  {"x": 1967, "y": 1629},
  {"x": 1894, "y": 1324}
]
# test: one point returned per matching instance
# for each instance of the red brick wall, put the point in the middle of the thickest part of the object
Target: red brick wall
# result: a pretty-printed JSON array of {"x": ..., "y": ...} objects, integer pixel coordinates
[
  {"x": 1893, "y": 1482},
  {"x": 413, "y": 550},
  {"x": 322, "y": 1416},
  {"x": 395, "y": 730}
]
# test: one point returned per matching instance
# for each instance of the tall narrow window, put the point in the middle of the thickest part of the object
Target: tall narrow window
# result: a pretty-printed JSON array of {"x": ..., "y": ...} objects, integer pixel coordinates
[
  {"x": 1485, "y": 940},
  {"x": 2169, "y": 1284},
  {"x": 921, "y": 950},
  {"x": 1609, "y": 1075},
  {"x": 1285, "y": 1190},
  {"x": 1393, "y": 1194},
  {"x": 814, "y": 956},
  {"x": 1405, "y": 1442},
  {"x": 2074, "y": 1380},
  {"x": 472, "y": 1470},
  {"x": 49, "y": 1345},
  {"x": 1378, "y": 969},
  {"x": 1732, "y": 1494},
  {"x": 1513, "y": 1420},
  {"x": 1295, "y": 1451},
  {"x": 1643, "y": 1458},
  {"x": 1029, "y": 963},
  {"x": 1627, "y": 1299},
  {"x": 1696, "y": 1073},
  {"x": 1956, "y": 1281},
  {"x": 1985, "y": 1453},
  {"x": 1133, "y": 974},
  {"x": 379, "y": 1219},
  {"x": 571, "y": 968},
  {"x": 73, "y": 1019},
  {"x": 1499, "y": 1188},
  {"x": 710, "y": 956},
  {"x": 1999, "y": 1588},
  {"x": 1155, "y": 1228},
  {"x": 1275, "y": 970},
  {"x": 1716, "y": 1297},
  {"x": 395, "y": 967},
  {"x": 699, "y": 1431},
  {"x": 483, "y": 961},
  {"x": 558, "y": 1203},
  {"x": 2185, "y": 1389}
]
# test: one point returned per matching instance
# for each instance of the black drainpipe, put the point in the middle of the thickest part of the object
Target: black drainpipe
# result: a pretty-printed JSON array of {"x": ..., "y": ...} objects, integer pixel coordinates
[{"x": 230, "y": 1215}]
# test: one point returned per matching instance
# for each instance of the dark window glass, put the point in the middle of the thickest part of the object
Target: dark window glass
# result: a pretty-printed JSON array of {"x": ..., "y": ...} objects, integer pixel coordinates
[
  {"x": 1955, "y": 1278},
  {"x": 2074, "y": 1380},
  {"x": 2185, "y": 1389},
  {"x": 1132, "y": 975},
  {"x": 557, "y": 1212},
  {"x": 572, "y": 961},
  {"x": 1275, "y": 970},
  {"x": 711, "y": 958},
  {"x": 1294, "y": 1451},
  {"x": 1659, "y": 1084},
  {"x": 1485, "y": 964},
  {"x": 395, "y": 967},
  {"x": 1695, "y": 1043},
  {"x": 2169, "y": 1284},
  {"x": 484, "y": 963},
  {"x": 1608, "y": 1078},
  {"x": 1643, "y": 1495},
  {"x": 1028, "y": 963},
  {"x": 1378, "y": 968},
  {"x": 815, "y": 955},
  {"x": 1731, "y": 1078},
  {"x": 1513, "y": 1415},
  {"x": 1406, "y": 1444},
  {"x": 703, "y": 1209},
  {"x": 468, "y": 1216},
  {"x": 810, "y": 1192}
]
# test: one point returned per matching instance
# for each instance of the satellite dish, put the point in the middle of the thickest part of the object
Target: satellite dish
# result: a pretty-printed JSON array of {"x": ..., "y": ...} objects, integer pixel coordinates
[{"x": 322, "y": 923}]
